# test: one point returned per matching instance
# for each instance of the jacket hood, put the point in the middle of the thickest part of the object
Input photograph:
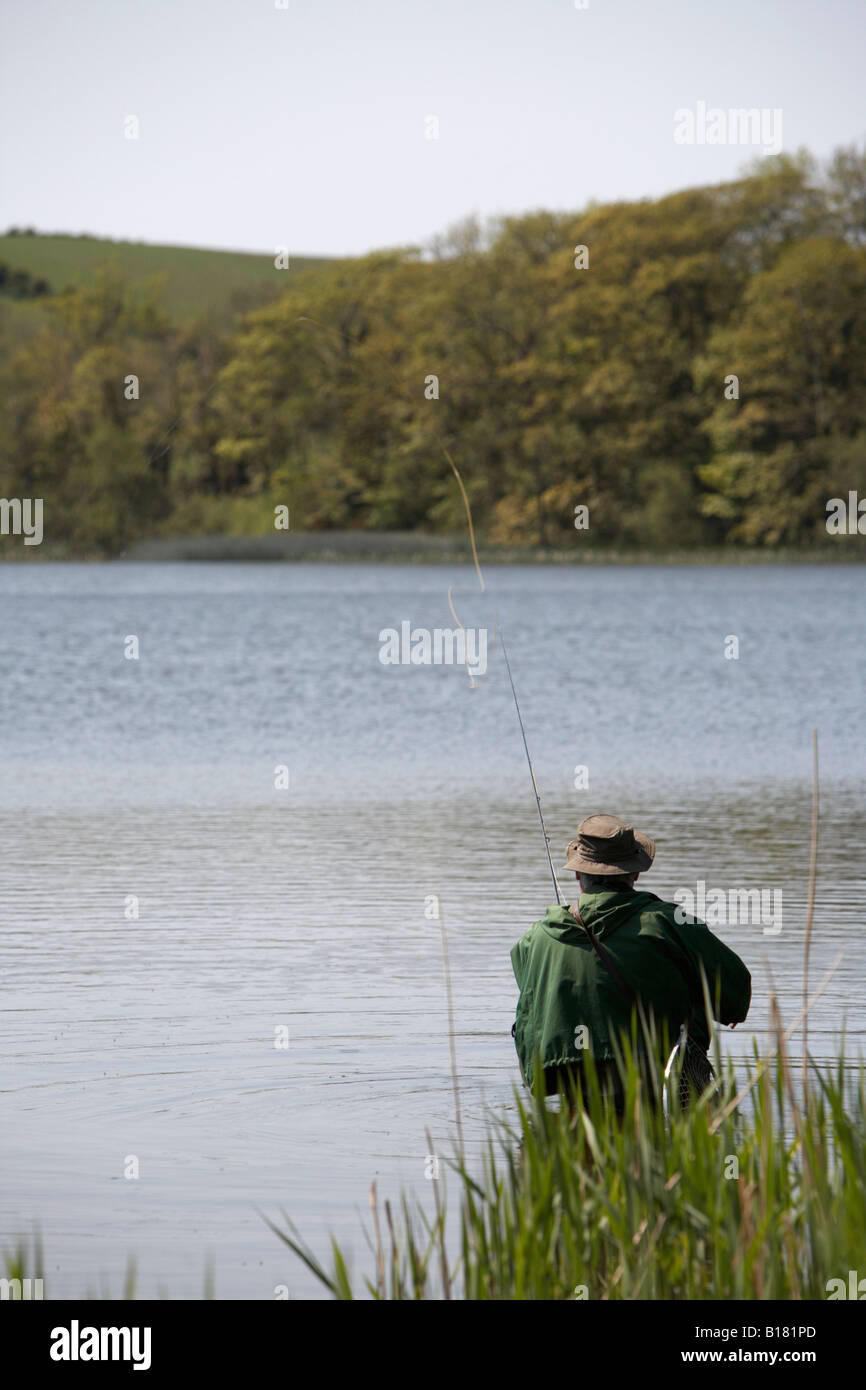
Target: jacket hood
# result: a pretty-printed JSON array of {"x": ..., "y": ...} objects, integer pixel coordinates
[{"x": 602, "y": 911}]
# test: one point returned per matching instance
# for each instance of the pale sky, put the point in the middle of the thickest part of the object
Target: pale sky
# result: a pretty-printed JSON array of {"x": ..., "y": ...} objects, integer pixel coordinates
[{"x": 306, "y": 126}]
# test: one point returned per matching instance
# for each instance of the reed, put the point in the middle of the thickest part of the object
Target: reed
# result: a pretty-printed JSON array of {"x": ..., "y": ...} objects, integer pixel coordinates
[
  {"x": 757, "y": 1191},
  {"x": 762, "y": 1199}
]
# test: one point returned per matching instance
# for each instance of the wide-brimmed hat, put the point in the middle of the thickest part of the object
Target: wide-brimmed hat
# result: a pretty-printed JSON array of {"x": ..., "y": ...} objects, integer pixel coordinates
[{"x": 607, "y": 845}]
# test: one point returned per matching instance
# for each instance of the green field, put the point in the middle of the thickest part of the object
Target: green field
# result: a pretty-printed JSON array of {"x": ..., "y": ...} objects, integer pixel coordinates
[{"x": 216, "y": 284}]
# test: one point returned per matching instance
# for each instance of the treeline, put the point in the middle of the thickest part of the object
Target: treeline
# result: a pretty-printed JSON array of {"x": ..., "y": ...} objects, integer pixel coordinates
[
  {"x": 690, "y": 370},
  {"x": 20, "y": 284}
]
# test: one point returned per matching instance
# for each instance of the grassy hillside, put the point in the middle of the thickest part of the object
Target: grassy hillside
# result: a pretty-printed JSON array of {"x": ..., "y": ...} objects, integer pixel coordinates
[{"x": 218, "y": 284}]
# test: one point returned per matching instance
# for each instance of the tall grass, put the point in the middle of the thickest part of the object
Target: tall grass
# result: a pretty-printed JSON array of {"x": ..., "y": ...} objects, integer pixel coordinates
[
  {"x": 752, "y": 1194},
  {"x": 756, "y": 1193},
  {"x": 25, "y": 1263}
]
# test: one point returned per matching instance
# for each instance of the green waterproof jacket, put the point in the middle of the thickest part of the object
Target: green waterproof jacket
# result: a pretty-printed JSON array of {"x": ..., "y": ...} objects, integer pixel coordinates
[{"x": 569, "y": 1001}]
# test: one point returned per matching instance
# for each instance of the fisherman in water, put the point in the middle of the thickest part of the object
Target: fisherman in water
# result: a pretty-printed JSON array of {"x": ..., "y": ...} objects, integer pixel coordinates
[{"x": 583, "y": 970}]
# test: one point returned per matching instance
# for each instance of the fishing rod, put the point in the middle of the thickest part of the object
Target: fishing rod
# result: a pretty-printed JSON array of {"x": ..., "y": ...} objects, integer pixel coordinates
[
  {"x": 531, "y": 772},
  {"x": 307, "y": 318}
]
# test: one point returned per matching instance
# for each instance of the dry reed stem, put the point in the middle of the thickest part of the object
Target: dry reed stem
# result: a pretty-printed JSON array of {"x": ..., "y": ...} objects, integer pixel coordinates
[{"x": 810, "y": 897}]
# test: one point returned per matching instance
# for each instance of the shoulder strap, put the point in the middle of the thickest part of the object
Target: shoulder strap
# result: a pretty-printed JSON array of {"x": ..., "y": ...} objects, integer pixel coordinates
[
  {"x": 607, "y": 961},
  {"x": 701, "y": 1070}
]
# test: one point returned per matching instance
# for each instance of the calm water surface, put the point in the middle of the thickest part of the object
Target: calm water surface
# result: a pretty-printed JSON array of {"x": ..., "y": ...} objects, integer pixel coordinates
[{"x": 303, "y": 908}]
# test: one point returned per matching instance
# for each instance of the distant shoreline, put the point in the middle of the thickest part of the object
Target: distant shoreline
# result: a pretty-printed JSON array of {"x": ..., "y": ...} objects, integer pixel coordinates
[{"x": 408, "y": 547}]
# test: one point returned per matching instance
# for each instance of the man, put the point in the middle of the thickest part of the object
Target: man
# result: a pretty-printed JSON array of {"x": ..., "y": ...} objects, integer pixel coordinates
[{"x": 583, "y": 970}]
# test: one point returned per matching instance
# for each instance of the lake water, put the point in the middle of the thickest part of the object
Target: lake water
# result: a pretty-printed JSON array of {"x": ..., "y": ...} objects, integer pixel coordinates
[{"x": 302, "y": 907}]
